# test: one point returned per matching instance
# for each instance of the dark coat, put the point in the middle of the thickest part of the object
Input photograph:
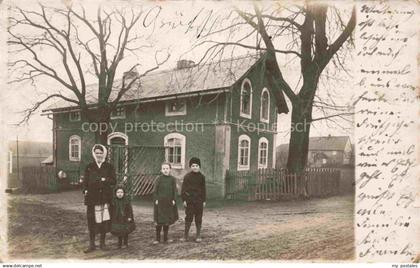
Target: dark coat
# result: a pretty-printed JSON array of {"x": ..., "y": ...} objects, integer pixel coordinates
[
  {"x": 121, "y": 211},
  {"x": 165, "y": 190},
  {"x": 194, "y": 187},
  {"x": 98, "y": 192}
]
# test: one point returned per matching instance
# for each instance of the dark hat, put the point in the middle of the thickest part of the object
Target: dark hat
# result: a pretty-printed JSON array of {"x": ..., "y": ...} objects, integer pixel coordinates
[
  {"x": 195, "y": 160},
  {"x": 119, "y": 186}
]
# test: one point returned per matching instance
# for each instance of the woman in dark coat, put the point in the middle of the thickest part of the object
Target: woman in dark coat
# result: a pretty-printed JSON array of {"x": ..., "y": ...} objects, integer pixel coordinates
[
  {"x": 165, "y": 209},
  {"x": 122, "y": 219},
  {"x": 97, "y": 185}
]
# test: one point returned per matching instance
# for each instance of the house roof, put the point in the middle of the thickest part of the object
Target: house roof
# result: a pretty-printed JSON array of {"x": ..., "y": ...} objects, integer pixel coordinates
[
  {"x": 48, "y": 160},
  {"x": 175, "y": 82},
  {"x": 322, "y": 143},
  {"x": 328, "y": 143},
  {"x": 31, "y": 148}
]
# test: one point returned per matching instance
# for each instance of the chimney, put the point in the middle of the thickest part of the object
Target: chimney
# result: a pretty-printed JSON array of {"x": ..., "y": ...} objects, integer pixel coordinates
[{"x": 182, "y": 64}]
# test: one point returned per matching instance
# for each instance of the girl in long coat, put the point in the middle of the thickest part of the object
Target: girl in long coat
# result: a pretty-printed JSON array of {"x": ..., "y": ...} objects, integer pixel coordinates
[
  {"x": 165, "y": 209},
  {"x": 97, "y": 185},
  {"x": 122, "y": 219}
]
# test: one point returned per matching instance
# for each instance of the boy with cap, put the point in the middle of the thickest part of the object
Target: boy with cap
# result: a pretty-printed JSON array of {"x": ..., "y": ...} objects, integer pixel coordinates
[{"x": 193, "y": 194}]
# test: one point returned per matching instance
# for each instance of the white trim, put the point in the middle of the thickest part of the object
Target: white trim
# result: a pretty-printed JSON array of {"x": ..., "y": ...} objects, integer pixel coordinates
[
  {"x": 182, "y": 139},
  {"x": 268, "y": 108},
  {"x": 118, "y": 116},
  {"x": 274, "y": 157},
  {"x": 116, "y": 135},
  {"x": 261, "y": 140},
  {"x": 246, "y": 80},
  {"x": 168, "y": 113},
  {"x": 242, "y": 138},
  {"x": 125, "y": 137},
  {"x": 74, "y": 120},
  {"x": 79, "y": 144}
]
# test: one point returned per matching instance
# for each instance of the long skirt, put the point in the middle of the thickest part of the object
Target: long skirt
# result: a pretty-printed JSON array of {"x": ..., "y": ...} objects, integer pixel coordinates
[{"x": 165, "y": 212}]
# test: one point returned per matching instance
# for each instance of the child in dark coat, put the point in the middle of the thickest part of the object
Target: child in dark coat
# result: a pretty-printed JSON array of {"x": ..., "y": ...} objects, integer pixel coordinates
[
  {"x": 165, "y": 211},
  {"x": 122, "y": 220},
  {"x": 193, "y": 194}
]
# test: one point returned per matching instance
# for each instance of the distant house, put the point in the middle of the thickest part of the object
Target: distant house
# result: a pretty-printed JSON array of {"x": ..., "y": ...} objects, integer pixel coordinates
[
  {"x": 25, "y": 154},
  {"x": 225, "y": 113},
  {"x": 49, "y": 161},
  {"x": 323, "y": 152}
]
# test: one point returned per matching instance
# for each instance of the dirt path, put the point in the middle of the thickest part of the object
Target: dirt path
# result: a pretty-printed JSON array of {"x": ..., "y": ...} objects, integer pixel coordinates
[{"x": 320, "y": 229}]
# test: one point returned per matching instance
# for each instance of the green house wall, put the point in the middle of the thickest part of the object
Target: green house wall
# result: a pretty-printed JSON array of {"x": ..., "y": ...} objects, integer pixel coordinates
[{"x": 216, "y": 143}]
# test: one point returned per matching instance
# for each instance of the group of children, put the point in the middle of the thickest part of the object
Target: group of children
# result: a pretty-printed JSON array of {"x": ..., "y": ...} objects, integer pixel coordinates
[{"x": 165, "y": 212}]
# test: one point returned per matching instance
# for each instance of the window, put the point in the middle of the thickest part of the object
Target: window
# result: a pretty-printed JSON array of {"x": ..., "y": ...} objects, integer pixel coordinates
[
  {"x": 246, "y": 99},
  {"x": 74, "y": 116},
  {"x": 118, "y": 113},
  {"x": 334, "y": 152},
  {"x": 176, "y": 107},
  {"x": 262, "y": 153},
  {"x": 265, "y": 106},
  {"x": 175, "y": 150},
  {"x": 75, "y": 143},
  {"x": 244, "y": 147}
]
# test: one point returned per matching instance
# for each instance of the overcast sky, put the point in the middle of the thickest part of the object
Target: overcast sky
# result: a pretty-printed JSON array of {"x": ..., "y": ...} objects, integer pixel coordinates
[{"x": 15, "y": 98}]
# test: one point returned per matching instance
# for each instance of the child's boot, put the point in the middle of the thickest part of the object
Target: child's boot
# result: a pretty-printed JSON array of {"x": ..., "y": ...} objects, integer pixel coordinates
[
  {"x": 120, "y": 240},
  {"x": 186, "y": 231},
  {"x": 198, "y": 235},
  {"x": 158, "y": 230},
  {"x": 125, "y": 239},
  {"x": 165, "y": 234}
]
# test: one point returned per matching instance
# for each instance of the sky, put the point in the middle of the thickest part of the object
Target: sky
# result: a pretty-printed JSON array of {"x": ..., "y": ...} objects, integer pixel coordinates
[{"x": 180, "y": 22}]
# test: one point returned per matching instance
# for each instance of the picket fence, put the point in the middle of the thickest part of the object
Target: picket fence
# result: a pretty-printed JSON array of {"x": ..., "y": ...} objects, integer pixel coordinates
[{"x": 276, "y": 184}]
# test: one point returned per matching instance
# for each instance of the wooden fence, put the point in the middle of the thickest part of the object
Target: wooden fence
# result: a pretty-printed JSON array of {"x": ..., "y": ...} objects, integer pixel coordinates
[
  {"x": 275, "y": 184},
  {"x": 39, "y": 179},
  {"x": 43, "y": 179}
]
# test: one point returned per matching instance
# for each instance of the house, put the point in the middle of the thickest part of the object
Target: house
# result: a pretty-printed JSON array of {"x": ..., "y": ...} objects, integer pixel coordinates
[
  {"x": 25, "y": 154},
  {"x": 224, "y": 113},
  {"x": 325, "y": 151}
]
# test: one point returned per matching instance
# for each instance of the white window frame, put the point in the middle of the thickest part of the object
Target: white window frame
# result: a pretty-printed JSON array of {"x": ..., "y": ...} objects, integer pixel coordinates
[
  {"x": 117, "y": 135},
  {"x": 125, "y": 138},
  {"x": 242, "y": 138},
  {"x": 169, "y": 113},
  {"x": 242, "y": 114},
  {"x": 268, "y": 108},
  {"x": 79, "y": 144},
  {"x": 118, "y": 116},
  {"x": 182, "y": 139},
  {"x": 72, "y": 119},
  {"x": 260, "y": 141}
]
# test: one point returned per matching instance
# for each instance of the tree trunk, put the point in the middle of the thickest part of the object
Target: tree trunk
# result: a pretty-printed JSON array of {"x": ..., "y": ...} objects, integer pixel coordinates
[
  {"x": 100, "y": 117},
  {"x": 299, "y": 140},
  {"x": 301, "y": 121}
]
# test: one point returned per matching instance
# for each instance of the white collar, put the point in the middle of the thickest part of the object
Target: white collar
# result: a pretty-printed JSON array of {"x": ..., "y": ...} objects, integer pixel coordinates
[{"x": 99, "y": 164}]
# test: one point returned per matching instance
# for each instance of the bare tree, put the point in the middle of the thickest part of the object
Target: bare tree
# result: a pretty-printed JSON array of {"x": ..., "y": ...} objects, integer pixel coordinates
[
  {"x": 314, "y": 34},
  {"x": 84, "y": 47}
]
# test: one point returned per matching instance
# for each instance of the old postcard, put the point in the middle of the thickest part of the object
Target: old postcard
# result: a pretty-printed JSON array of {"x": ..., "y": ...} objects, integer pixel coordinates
[{"x": 277, "y": 131}]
